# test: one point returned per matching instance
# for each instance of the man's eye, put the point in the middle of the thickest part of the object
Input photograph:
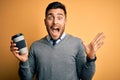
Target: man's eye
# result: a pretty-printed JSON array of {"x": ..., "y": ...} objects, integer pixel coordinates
[
  {"x": 60, "y": 18},
  {"x": 50, "y": 18}
]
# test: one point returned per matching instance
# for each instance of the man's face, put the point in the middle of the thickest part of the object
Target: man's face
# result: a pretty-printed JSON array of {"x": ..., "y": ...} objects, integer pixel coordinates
[{"x": 55, "y": 23}]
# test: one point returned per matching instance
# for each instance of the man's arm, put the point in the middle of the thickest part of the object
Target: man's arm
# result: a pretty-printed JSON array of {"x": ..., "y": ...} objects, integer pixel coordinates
[
  {"x": 88, "y": 70},
  {"x": 88, "y": 62},
  {"x": 90, "y": 50},
  {"x": 27, "y": 69},
  {"x": 85, "y": 66}
]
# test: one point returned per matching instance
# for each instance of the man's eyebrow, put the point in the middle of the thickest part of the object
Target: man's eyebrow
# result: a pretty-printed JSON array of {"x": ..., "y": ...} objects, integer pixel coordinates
[
  {"x": 49, "y": 14},
  {"x": 60, "y": 14},
  {"x": 57, "y": 14}
]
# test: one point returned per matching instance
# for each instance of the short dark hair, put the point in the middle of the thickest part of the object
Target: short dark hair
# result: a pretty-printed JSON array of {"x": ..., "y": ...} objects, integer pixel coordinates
[{"x": 55, "y": 5}]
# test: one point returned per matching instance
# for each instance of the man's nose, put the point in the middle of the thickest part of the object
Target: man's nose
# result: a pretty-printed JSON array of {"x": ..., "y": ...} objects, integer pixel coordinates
[{"x": 55, "y": 21}]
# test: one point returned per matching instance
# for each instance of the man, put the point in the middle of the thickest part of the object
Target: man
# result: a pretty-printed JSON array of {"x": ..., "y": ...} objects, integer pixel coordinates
[{"x": 58, "y": 56}]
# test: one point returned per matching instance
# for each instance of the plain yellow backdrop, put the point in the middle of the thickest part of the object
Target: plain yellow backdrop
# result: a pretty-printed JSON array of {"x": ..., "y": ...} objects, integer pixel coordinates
[{"x": 85, "y": 18}]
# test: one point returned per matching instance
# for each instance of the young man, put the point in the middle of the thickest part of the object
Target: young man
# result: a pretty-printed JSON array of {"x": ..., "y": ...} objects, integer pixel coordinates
[{"x": 58, "y": 56}]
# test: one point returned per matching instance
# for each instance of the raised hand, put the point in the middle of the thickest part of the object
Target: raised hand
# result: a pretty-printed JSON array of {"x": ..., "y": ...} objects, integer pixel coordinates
[
  {"x": 94, "y": 45},
  {"x": 16, "y": 52}
]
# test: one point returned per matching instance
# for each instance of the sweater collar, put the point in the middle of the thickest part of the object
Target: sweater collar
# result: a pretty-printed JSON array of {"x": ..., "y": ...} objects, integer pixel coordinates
[{"x": 49, "y": 38}]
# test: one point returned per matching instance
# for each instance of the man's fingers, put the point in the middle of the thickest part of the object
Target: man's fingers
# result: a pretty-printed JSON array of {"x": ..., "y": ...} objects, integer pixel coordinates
[
  {"x": 12, "y": 44},
  {"x": 97, "y": 46},
  {"x": 99, "y": 38},
  {"x": 13, "y": 48},
  {"x": 84, "y": 43},
  {"x": 98, "y": 41},
  {"x": 96, "y": 37}
]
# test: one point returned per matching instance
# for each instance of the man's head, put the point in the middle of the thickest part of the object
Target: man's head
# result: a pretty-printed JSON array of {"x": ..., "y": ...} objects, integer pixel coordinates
[
  {"x": 55, "y": 19},
  {"x": 55, "y": 5}
]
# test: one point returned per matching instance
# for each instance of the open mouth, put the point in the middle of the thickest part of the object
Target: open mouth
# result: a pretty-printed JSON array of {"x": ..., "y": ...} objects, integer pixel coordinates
[
  {"x": 55, "y": 29},
  {"x": 55, "y": 32}
]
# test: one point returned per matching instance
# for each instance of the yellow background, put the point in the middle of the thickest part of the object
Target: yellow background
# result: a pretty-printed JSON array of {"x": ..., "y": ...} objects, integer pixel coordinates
[{"x": 85, "y": 19}]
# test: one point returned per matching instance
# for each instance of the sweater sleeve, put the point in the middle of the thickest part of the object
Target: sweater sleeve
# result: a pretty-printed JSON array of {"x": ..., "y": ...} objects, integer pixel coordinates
[
  {"x": 85, "y": 69},
  {"x": 27, "y": 69},
  {"x": 88, "y": 71}
]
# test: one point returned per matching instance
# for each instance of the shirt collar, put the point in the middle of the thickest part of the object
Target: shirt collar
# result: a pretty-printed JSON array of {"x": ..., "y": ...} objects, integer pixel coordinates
[{"x": 63, "y": 35}]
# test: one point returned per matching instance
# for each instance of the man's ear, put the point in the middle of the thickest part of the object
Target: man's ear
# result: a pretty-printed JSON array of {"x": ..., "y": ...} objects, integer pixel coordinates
[
  {"x": 45, "y": 21},
  {"x": 65, "y": 21}
]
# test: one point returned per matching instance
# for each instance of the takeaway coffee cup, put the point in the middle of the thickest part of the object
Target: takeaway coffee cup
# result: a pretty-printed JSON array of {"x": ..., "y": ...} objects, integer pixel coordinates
[{"x": 20, "y": 43}]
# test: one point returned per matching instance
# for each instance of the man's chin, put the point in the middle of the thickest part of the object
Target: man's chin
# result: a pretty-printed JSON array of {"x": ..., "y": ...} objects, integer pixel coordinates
[{"x": 55, "y": 37}]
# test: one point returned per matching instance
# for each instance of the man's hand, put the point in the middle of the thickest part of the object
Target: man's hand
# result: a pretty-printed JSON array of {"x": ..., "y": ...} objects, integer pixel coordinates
[
  {"x": 94, "y": 45},
  {"x": 15, "y": 51}
]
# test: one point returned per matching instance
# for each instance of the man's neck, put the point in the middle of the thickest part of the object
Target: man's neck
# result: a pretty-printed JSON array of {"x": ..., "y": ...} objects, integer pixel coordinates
[{"x": 58, "y": 40}]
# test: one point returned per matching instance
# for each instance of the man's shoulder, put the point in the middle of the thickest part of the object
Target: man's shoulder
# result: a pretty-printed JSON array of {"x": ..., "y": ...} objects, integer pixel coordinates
[
  {"x": 40, "y": 41},
  {"x": 72, "y": 37},
  {"x": 75, "y": 41}
]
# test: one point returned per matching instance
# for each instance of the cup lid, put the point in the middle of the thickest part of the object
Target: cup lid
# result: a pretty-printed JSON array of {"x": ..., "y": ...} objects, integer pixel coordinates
[{"x": 17, "y": 35}]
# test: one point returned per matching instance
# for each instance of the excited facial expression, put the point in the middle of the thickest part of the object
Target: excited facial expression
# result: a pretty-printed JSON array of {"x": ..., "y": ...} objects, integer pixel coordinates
[{"x": 55, "y": 23}]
